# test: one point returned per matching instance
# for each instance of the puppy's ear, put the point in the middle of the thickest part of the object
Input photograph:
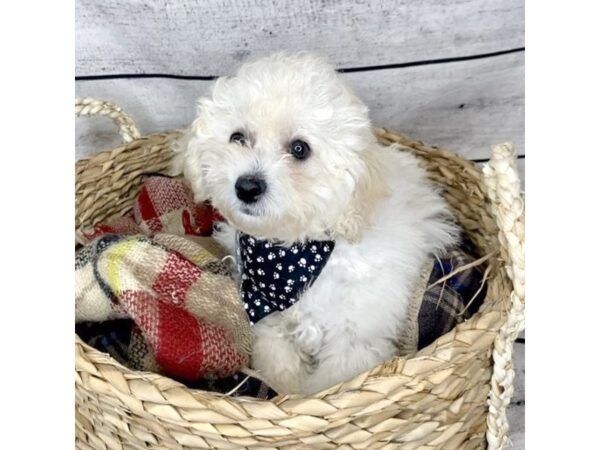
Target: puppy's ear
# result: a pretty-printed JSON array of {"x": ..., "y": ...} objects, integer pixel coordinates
[
  {"x": 179, "y": 147},
  {"x": 369, "y": 189},
  {"x": 184, "y": 162}
]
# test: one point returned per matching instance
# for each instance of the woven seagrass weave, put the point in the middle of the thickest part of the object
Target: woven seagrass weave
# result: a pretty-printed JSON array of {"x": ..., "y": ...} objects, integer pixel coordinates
[{"x": 450, "y": 395}]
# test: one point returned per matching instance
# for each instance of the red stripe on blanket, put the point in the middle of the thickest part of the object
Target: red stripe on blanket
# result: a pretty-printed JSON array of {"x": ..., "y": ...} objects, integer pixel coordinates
[
  {"x": 175, "y": 278},
  {"x": 172, "y": 332},
  {"x": 179, "y": 352},
  {"x": 146, "y": 209},
  {"x": 205, "y": 216},
  {"x": 186, "y": 221}
]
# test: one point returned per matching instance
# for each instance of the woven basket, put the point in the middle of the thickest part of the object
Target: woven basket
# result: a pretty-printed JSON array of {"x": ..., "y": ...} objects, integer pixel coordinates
[{"x": 451, "y": 395}]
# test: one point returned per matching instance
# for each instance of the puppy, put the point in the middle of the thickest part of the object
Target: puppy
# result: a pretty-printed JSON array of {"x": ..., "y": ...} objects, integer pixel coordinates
[{"x": 285, "y": 151}]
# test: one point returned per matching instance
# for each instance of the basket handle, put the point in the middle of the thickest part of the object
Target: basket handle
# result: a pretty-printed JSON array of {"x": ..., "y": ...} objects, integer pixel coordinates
[
  {"x": 504, "y": 190},
  {"x": 91, "y": 107}
]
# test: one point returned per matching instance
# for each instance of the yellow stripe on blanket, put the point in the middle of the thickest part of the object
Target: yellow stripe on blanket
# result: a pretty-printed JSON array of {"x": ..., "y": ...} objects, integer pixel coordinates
[{"x": 115, "y": 259}]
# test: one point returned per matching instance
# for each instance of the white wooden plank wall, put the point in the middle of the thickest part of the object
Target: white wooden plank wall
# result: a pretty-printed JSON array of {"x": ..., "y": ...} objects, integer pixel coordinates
[
  {"x": 212, "y": 37},
  {"x": 452, "y": 75}
]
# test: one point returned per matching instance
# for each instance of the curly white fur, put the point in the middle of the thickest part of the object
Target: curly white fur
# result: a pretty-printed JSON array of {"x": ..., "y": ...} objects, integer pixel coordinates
[{"x": 385, "y": 216}]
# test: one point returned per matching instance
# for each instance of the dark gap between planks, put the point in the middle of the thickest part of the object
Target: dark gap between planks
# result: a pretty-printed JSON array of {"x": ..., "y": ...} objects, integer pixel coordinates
[{"x": 425, "y": 62}]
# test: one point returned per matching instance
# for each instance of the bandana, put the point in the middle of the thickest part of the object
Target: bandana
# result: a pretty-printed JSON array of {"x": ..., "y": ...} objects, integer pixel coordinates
[{"x": 273, "y": 276}]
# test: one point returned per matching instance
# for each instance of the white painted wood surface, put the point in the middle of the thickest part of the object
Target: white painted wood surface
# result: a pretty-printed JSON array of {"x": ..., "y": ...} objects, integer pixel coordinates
[
  {"x": 465, "y": 106},
  {"x": 516, "y": 419},
  {"x": 519, "y": 366},
  {"x": 211, "y": 37},
  {"x": 516, "y": 410}
]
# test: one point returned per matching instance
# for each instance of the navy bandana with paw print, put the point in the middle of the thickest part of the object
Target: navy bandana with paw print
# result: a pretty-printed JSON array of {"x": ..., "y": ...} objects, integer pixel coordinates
[{"x": 273, "y": 276}]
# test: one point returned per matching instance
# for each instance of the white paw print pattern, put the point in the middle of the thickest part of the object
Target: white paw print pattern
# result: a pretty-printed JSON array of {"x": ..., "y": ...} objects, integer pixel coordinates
[{"x": 274, "y": 276}]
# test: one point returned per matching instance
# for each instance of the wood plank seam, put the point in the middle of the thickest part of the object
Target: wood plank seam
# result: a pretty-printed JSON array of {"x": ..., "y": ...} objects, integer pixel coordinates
[{"x": 340, "y": 70}]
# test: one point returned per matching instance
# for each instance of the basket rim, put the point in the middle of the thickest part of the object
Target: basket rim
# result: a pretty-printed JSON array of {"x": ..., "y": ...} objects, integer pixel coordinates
[
  {"x": 378, "y": 371},
  {"x": 492, "y": 318},
  {"x": 487, "y": 349}
]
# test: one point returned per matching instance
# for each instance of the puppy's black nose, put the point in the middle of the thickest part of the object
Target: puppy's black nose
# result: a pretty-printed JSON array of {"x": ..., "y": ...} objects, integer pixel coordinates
[{"x": 249, "y": 188}]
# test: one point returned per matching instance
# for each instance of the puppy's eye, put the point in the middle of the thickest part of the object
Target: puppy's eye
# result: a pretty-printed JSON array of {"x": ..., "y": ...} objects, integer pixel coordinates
[
  {"x": 299, "y": 149},
  {"x": 238, "y": 138}
]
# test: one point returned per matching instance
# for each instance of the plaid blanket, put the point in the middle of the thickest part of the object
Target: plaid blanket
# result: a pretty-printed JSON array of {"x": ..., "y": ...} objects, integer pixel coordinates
[
  {"x": 163, "y": 205},
  {"x": 438, "y": 306},
  {"x": 160, "y": 301},
  {"x": 153, "y": 292}
]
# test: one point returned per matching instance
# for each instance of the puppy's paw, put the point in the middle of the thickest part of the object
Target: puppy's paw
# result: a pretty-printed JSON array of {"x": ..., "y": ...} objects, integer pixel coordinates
[
  {"x": 226, "y": 236},
  {"x": 275, "y": 355},
  {"x": 309, "y": 339}
]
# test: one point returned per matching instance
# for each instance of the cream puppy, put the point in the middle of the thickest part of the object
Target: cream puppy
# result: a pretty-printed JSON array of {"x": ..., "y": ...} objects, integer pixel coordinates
[{"x": 286, "y": 153}]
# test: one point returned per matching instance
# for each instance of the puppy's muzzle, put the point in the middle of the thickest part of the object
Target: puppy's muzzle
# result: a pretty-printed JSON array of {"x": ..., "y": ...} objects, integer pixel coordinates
[{"x": 249, "y": 188}]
